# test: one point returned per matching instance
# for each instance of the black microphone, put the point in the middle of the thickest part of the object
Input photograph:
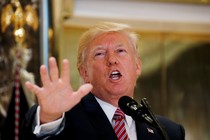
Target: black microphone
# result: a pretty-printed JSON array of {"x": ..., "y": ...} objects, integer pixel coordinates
[
  {"x": 137, "y": 111},
  {"x": 131, "y": 108},
  {"x": 141, "y": 112}
]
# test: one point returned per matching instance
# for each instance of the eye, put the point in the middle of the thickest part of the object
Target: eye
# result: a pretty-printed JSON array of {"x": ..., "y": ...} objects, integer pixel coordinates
[
  {"x": 121, "y": 50},
  {"x": 99, "y": 54}
]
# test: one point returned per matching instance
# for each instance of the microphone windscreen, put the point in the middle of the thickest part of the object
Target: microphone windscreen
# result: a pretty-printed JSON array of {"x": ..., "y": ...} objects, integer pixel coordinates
[{"x": 125, "y": 103}]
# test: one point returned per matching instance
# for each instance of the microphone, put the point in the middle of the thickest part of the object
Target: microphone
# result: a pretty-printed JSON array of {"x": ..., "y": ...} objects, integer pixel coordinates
[
  {"x": 133, "y": 109},
  {"x": 141, "y": 112}
]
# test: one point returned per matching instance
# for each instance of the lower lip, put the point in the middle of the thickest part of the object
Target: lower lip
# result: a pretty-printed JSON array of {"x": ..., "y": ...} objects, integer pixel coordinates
[{"x": 115, "y": 79}]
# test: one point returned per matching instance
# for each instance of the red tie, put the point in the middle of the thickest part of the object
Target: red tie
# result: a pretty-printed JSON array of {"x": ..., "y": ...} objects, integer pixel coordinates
[{"x": 119, "y": 125}]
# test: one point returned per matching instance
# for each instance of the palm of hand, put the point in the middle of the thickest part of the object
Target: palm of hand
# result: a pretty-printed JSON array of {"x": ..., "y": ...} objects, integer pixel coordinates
[{"x": 56, "y": 96}]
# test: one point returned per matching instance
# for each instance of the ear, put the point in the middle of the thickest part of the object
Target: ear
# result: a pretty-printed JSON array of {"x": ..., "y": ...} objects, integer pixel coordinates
[
  {"x": 138, "y": 66},
  {"x": 84, "y": 74}
]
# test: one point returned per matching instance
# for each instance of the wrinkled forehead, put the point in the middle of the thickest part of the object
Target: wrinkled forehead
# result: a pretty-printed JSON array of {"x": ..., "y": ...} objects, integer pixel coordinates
[{"x": 114, "y": 39}]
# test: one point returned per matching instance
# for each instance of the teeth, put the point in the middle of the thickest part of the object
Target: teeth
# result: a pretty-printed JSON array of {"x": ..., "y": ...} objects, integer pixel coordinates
[
  {"x": 115, "y": 72},
  {"x": 115, "y": 75}
]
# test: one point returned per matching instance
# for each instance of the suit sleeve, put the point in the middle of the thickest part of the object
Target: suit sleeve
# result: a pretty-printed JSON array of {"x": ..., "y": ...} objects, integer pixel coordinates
[
  {"x": 26, "y": 131},
  {"x": 28, "y": 126}
]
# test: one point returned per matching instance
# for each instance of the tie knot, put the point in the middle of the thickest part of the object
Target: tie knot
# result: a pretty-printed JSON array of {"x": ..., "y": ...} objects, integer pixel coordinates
[{"x": 119, "y": 114}]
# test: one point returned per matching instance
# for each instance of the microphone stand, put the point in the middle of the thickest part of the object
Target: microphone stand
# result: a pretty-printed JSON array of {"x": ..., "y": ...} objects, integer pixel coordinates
[{"x": 148, "y": 116}]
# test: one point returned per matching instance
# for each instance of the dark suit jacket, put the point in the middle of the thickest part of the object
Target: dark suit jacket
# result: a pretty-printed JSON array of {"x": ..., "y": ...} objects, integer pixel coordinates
[{"x": 88, "y": 121}]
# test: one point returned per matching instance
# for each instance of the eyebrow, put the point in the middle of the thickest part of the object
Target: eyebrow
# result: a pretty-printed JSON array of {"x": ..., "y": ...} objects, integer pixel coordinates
[
  {"x": 101, "y": 47},
  {"x": 98, "y": 47}
]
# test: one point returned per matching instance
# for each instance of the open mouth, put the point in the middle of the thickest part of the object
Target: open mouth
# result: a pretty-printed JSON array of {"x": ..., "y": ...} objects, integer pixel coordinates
[{"x": 115, "y": 75}]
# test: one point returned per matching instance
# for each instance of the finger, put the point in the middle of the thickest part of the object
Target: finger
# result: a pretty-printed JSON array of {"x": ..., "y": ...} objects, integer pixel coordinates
[
  {"x": 83, "y": 90},
  {"x": 79, "y": 94},
  {"x": 32, "y": 88},
  {"x": 44, "y": 75},
  {"x": 65, "y": 71},
  {"x": 53, "y": 69}
]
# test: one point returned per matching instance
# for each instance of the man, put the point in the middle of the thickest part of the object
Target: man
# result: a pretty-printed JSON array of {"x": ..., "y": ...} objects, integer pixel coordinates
[{"x": 108, "y": 63}]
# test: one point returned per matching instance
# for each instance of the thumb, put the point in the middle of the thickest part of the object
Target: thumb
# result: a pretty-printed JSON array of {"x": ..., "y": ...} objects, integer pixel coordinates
[
  {"x": 84, "y": 90},
  {"x": 79, "y": 94}
]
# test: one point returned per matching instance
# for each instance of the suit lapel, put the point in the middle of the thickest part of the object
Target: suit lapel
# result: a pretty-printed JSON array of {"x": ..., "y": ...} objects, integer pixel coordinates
[{"x": 98, "y": 118}]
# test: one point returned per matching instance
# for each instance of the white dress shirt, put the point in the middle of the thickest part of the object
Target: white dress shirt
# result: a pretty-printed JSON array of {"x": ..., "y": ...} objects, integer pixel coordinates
[{"x": 130, "y": 123}]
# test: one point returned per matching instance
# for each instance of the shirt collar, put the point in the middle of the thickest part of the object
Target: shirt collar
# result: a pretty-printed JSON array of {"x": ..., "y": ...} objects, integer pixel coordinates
[{"x": 109, "y": 110}]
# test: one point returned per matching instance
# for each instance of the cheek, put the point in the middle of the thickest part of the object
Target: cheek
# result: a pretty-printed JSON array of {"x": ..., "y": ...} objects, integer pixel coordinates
[
  {"x": 94, "y": 72},
  {"x": 99, "y": 71},
  {"x": 95, "y": 66},
  {"x": 133, "y": 69}
]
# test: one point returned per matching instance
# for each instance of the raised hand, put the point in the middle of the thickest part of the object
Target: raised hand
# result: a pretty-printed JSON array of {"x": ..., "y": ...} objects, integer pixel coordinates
[{"x": 56, "y": 95}]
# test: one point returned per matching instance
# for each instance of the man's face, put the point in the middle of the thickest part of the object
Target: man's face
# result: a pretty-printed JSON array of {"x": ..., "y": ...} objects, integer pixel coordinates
[{"x": 111, "y": 66}]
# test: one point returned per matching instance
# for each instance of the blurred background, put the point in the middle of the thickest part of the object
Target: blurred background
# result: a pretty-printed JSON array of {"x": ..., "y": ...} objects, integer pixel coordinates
[{"x": 174, "y": 47}]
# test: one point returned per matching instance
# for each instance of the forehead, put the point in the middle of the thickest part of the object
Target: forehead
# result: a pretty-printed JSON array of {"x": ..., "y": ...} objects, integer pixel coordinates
[
  {"x": 109, "y": 39},
  {"x": 111, "y": 36}
]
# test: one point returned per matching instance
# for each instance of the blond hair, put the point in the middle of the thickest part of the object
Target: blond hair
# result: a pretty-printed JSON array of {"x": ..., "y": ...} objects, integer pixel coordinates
[{"x": 103, "y": 28}]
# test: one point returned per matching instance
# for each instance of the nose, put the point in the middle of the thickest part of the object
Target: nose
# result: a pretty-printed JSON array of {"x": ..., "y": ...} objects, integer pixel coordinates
[{"x": 112, "y": 60}]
